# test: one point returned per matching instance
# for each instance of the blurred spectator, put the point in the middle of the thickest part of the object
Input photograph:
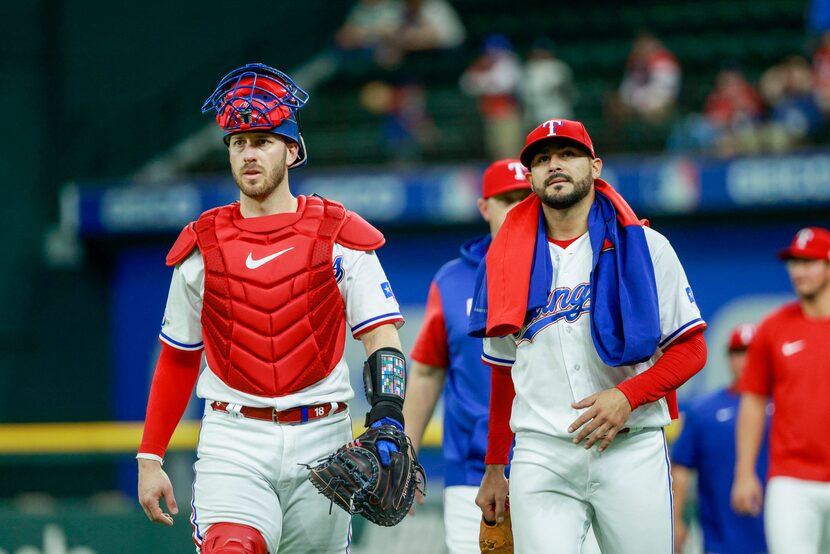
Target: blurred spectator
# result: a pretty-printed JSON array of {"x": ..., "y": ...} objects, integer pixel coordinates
[
  {"x": 369, "y": 23},
  {"x": 731, "y": 119},
  {"x": 547, "y": 88},
  {"x": 734, "y": 110},
  {"x": 794, "y": 115},
  {"x": 406, "y": 127},
  {"x": 424, "y": 25},
  {"x": 734, "y": 100},
  {"x": 821, "y": 72},
  {"x": 651, "y": 82},
  {"x": 494, "y": 78}
]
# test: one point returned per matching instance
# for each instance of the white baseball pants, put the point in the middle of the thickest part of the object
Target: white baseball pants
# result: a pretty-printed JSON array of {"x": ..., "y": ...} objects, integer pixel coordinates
[
  {"x": 249, "y": 471},
  {"x": 559, "y": 490},
  {"x": 797, "y": 515},
  {"x": 462, "y": 520}
]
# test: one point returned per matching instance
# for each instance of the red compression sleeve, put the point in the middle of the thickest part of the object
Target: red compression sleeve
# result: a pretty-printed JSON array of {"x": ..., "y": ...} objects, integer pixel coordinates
[
  {"x": 499, "y": 436},
  {"x": 175, "y": 376},
  {"x": 677, "y": 365},
  {"x": 431, "y": 346}
]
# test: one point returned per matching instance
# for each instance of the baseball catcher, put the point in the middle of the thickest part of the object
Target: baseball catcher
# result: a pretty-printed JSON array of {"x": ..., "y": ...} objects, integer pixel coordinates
[{"x": 377, "y": 474}]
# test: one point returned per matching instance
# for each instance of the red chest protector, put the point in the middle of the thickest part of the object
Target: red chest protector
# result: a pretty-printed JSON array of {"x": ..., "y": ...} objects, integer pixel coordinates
[{"x": 273, "y": 318}]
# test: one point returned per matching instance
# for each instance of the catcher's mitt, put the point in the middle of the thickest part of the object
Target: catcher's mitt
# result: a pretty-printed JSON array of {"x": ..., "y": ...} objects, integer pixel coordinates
[
  {"x": 496, "y": 538},
  {"x": 354, "y": 478}
]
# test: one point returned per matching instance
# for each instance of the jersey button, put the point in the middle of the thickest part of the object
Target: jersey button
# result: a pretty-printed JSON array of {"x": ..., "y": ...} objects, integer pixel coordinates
[{"x": 576, "y": 367}]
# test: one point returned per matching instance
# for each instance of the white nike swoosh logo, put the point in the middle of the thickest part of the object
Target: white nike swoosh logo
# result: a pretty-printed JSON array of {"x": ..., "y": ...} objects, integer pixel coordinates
[
  {"x": 251, "y": 263},
  {"x": 790, "y": 348}
]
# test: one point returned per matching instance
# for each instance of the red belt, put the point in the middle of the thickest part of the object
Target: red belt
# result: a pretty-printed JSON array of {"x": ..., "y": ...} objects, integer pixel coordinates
[{"x": 291, "y": 416}]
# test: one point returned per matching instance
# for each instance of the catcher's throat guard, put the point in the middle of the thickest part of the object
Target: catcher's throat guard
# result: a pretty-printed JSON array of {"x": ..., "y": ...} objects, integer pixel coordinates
[
  {"x": 256, "y": 97},
  {"x": 384, "y": 377}
]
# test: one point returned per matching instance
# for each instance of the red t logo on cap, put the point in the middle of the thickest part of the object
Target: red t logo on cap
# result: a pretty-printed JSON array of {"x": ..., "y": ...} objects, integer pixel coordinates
[{"x": 551, "y": 125}]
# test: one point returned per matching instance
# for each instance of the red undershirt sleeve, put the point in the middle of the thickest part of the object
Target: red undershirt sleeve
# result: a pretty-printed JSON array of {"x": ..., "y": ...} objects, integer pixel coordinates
[
  {"x": 499, "y": 436},
  {"x": 685, "y": 357},
  {"x": 431, "y": 345},
  {"x": 173, "y": 382}
]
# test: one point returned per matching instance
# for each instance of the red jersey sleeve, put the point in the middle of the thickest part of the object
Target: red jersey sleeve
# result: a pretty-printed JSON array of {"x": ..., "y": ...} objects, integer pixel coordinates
[
  {"x": 431, "y": 345},
  {"x": 500, "y": 436},
  {"x": 756, "y": 377},
  {"x": 173, "y": 381}
]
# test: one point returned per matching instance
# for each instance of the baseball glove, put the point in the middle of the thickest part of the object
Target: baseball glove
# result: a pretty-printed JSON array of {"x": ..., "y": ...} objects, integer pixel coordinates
[
  {"x": 496, "y": 538},
  {"x": 355, "y": 480}
]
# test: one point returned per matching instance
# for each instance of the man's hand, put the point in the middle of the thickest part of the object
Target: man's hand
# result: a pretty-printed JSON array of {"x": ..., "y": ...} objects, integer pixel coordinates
[
  {"x": 153, "y": 484},
  {"x": 492, "y": 493},
  {"x": 608, "y": 411},
  {"x": 747, "y": 494},
  {"x": 419, "y": 499}
]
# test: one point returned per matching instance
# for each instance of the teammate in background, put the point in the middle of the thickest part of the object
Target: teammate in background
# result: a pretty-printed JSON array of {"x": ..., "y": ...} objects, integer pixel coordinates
[
  {"x": 446, "y": 359},
  {"x": 589, "y": 314},
  {"x": 707, "y": 445},
  {"x": 265, "y": 286},
  {"x": 789, "y": 360}
]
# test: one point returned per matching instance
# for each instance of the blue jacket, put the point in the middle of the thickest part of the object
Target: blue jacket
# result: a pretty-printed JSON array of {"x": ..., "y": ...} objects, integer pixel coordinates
[
  {"x": 467, "y": 388},
  {"x": 707, "y": 444}
]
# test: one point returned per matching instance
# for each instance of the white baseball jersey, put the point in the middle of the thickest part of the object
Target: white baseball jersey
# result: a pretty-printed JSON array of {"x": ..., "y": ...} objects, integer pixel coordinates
[
  {"x": 366, "y": 293},
  {"x": 553, "y": 358}
]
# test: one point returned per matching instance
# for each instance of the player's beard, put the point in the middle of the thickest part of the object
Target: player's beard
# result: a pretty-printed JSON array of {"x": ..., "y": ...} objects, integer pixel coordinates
[
  {"x": 259, "y": 192},
  {"x": 580, "y": 190}
]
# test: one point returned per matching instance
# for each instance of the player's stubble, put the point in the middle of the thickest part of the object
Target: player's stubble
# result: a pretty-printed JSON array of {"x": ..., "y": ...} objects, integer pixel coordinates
[
  {"x": 560, "y": 201},
  {"x": 271, "y": 179}
]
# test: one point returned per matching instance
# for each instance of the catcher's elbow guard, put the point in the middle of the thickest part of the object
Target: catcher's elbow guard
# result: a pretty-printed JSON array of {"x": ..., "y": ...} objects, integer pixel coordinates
[{"x": 384, "y": 376}]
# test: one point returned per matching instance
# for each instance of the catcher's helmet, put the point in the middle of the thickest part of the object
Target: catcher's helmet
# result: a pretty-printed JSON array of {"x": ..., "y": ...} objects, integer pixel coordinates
[{"x": 256, "y": 97}]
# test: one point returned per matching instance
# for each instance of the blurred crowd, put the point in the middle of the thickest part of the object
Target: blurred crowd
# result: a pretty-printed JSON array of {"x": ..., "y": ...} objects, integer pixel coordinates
[
  {"x": 514, "y": 96},
  {"x": 386, "y": 31},
  {"x": 511, "y": 93},
  {"x": 786, "y": 108},
  {"x": 783, "y": 108}
]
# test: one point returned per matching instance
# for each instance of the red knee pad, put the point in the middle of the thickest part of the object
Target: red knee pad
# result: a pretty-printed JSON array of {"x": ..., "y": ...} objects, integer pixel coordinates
[{"x": 233, "y": 538}]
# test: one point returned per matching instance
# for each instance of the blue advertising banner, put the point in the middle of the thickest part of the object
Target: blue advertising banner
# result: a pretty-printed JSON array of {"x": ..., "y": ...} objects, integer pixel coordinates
[{"x": 653, "y": 186}]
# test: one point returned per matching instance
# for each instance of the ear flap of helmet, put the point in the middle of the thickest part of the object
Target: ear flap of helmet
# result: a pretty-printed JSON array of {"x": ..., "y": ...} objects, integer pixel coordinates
[{"x": 302, "y": 158}]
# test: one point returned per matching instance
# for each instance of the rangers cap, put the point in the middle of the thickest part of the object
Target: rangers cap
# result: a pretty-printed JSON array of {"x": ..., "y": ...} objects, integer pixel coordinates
[
  {"x": 741, "y": 336},
  {"x": 503, "y": 176},
  {"x": 812, "y": 243},
  {"x": 556, "y": 129}
]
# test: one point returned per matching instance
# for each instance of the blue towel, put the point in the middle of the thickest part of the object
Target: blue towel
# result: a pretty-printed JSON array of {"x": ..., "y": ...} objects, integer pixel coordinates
[{"x": 625, "y": 315}]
